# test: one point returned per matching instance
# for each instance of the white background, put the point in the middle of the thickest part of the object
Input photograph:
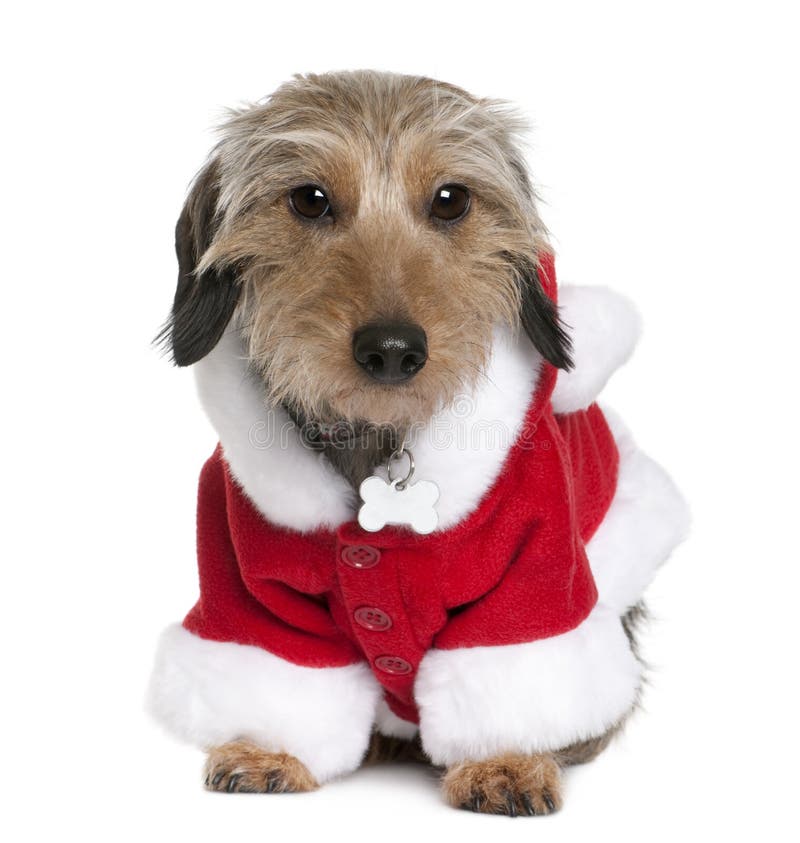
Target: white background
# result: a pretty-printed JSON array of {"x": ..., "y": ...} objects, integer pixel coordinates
[{"x": 666, "y": 148}]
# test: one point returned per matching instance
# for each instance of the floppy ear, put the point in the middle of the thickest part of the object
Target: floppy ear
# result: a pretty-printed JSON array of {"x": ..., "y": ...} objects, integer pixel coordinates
[
  {"x": 203, "y": 303},
  {"x": 540, "y": 319}
]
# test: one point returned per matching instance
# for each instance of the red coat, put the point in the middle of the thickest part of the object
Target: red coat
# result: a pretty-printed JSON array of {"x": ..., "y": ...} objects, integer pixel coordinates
[{"x": 512, "y": 571}]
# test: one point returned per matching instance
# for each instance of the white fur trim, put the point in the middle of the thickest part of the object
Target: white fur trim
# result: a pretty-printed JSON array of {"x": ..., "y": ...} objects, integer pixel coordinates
[
  {"x": 388, "y": 723},
  {"x": 479, "y": 702},
  {"x": 461, "y": 449},
  {"x": 605, "y": 327},
  {"x": 290, "y": 484},
  {"x": 647, "y": 519},
  {"x": 210, "y": 692}
]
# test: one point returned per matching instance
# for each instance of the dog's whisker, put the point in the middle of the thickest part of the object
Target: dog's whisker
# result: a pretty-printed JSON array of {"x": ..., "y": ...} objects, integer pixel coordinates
[{"x": 277, "y": 338}]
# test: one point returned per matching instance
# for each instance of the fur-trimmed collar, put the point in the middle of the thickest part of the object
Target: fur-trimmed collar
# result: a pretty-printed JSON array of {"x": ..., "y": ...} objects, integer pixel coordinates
[{"x": 461, "y": 449}]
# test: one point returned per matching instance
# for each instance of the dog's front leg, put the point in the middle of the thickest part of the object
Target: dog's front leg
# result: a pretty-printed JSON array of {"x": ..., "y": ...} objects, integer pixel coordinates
[
  {"x": 513, "y": 784},
  {"x": 268, "y": 725},
  {"x": 498, "y": 717},
  {"x": 244, "y": 767}
]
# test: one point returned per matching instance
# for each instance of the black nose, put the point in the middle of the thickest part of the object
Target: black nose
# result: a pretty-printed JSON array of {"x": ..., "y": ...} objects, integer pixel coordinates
[{"x": 390, "y": 352}]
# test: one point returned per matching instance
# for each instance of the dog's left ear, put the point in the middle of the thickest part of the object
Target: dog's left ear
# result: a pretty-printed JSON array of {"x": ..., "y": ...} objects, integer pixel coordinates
[
  {"x": 204, "y": 303},
  {"x": 540, "y": 319}
]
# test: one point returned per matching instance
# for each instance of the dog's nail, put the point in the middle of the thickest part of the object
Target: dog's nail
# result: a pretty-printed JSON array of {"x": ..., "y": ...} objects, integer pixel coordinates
[
  {"x": 232, "y": 782},
  {"x": 473, "y": 804},
  {"x": 511, "y": 804},
  {"x": 218, "y": 778},
  {"x": 528, "y": 804},
  {"x": 548, "y": 800}
]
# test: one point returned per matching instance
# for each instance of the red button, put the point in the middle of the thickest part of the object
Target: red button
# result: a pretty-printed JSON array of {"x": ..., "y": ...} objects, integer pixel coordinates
[
  {"x": 361, "y": 556},
  {"x": 394, "y": 665},
  {"x": 373, "y": 619}
]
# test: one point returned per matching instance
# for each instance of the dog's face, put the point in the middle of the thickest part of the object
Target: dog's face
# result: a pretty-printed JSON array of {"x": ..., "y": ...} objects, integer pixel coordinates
[{"x": 366, "y": 233}]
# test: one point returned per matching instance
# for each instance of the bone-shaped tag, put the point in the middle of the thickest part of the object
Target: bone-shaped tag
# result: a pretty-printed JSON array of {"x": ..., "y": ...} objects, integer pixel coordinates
[{"x": 385, "y": 504}]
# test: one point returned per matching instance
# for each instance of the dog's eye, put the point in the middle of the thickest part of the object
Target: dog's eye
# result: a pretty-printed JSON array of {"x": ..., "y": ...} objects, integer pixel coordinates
[
  {"x": 450, "y": 202},
  {"x": 310, "y": 201}
]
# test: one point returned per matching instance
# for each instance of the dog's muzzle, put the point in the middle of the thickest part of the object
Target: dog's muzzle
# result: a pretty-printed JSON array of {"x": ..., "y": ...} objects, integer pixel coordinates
[{"x": 390, "y": 352}]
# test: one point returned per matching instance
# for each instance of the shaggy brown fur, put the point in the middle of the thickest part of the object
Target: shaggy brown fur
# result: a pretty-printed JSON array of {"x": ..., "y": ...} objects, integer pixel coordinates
[
  {"x": 510, "y": 784},
  {"x": 243, "y": 767},
  {"x": 379, "y": 145}
]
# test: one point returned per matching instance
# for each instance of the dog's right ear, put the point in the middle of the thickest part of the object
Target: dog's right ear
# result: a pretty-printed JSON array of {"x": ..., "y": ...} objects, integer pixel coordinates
[{"x": 204, "y": 302}]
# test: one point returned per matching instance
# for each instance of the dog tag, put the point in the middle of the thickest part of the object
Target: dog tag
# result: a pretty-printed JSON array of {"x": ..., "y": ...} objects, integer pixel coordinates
[{"x": 411, "y": 505}]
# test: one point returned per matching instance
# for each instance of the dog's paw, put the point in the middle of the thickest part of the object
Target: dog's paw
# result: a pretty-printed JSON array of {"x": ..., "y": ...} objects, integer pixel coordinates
[
  {"x": 514, "y": 785},
  {"x": 243, "y": 767}
]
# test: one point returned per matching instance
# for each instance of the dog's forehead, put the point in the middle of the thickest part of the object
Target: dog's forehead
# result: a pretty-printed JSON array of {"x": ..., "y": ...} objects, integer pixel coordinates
[
  {"x": 373, "y": 141},
  {"x": 376, "y": 146}
]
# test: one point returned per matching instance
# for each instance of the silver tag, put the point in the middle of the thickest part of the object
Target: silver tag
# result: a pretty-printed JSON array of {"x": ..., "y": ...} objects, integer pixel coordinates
[
  {"x": 385, "y": 503},
  {"x": 398, "y": 501}
]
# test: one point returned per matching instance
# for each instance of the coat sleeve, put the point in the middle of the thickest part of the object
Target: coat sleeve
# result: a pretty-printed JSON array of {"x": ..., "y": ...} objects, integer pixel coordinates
[
  {"x": 486, "y": 689},
  {"x": 225, "y": 673},
  {"x": 480, "y": 696},
  {"x": 535, "y": 664},
  {"x": 479, "y": 702}
]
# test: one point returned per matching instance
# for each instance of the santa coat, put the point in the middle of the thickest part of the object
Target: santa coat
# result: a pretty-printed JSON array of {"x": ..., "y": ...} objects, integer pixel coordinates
[{"x": 487, "y": 635}]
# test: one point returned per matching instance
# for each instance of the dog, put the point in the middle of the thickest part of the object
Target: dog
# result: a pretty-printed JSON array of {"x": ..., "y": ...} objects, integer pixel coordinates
[{"x": 367, "y": 293}]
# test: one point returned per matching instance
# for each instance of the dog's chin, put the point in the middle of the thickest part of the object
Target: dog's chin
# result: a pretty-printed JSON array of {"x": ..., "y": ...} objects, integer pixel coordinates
[
  {"x": 384, "y": 406},
  {"x": 397, "y": 406}
]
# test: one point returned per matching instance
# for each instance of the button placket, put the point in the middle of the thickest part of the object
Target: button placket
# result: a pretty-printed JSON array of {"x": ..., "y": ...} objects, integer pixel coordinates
[{"x": 379, "y": 627}]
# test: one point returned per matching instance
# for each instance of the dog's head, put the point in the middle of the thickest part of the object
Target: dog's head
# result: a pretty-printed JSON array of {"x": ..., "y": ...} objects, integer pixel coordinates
[{"x": 366, "y": 233}]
